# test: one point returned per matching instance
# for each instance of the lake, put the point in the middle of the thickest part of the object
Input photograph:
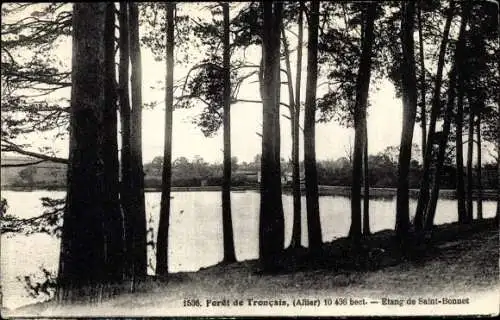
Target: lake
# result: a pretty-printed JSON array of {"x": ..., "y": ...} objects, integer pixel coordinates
[{"x": 195, "y": 234}]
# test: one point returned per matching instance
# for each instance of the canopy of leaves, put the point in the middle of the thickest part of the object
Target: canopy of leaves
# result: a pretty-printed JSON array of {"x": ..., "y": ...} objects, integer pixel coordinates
[{"x": 32, "y": 73}]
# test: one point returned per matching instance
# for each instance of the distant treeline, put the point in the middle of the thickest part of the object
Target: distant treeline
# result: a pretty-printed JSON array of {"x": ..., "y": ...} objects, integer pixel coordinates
[{"x": 382, "y": 173}]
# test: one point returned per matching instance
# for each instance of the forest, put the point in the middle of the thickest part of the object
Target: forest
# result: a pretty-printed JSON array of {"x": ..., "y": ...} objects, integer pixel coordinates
[{"x": 442, "y": 57}]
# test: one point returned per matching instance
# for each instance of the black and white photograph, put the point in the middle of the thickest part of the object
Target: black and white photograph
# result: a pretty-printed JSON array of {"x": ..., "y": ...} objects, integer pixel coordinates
[{"x": 258, "y": 158}]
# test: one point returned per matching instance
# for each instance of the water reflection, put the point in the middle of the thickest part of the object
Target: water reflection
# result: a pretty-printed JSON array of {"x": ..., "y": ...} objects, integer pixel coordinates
[{"x": 195, "y": 235}]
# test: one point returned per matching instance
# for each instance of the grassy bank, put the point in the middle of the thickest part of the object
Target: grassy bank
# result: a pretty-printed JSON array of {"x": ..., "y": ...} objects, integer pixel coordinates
[{"x": 459, "y": 261}]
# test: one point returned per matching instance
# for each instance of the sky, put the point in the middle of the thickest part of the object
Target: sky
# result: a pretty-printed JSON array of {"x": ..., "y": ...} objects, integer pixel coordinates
[{"x": 332, "y": 140}]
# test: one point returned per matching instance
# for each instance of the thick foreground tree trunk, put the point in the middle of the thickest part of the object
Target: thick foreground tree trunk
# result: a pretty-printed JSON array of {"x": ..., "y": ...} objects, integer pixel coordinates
[
  {"x": 227, "y": 223},
  {"x": 138, "y": 201},
  {"x": 163, "y": 228},
  {"x": 423, "y": 195},
  {"x": 90, "y": 238},
  {"x": 126, "y": 158},
  {"x": 313, "y": 219},
  {"x": 409, "y": 84},
  {"x": 271, "y": 228},
  {"x": 113, "y": 214}
]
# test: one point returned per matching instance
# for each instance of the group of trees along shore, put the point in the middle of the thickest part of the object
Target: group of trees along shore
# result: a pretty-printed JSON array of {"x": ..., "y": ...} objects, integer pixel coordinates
[{"x": 441, "y": 56}]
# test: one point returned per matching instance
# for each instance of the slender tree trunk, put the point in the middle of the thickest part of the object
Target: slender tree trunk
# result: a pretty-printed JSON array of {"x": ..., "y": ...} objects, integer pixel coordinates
[
  {"x": 362, "y": 88},
  {"x": 124, "y": 106},
  {"x": 470, "y": 174},
  {"x": 498, "y": 135},
  {"x": 297, "y": 205},
  {"x": 84, "y": 263},
  {"x": 459, "y": 118},
  {"x": 423, "y": 195},
  {"x": 409, "y": 82},
  {"x": 457, "y": 65},
  {"x": 431, "y": 207},
  {"x": 294, "y": 102},
  {"x": 296, "y": 227},
  {"x": 366, "y": 183},
  {"x": 227, "y": 224},
  {"x": 423, "y": 114},
  {"x": 138, "y": 201},
  {"x": 113, "y": 215},
  {"x": 313, "y": 219},
  {"x": 271, "y": 229},
  {"x": 479, "y": 177},
  {"x": 163, "y": 229}
]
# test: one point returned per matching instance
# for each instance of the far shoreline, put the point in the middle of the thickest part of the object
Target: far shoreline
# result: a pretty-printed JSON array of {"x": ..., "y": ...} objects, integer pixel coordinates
[{"x": 324, "y": 190}]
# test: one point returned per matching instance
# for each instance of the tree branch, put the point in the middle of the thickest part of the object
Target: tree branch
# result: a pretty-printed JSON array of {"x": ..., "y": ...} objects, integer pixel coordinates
[
  {"x": 11, "y": 147},
  {"x": 21, "y": 164}
]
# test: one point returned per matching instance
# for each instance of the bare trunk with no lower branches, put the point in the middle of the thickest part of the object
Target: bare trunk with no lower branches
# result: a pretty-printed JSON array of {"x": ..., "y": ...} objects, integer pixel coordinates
[
  {"x": 163, "y": 228},
  {"x": 115, "y": 244},
  {"x": 227, "y": 224},
  {"x": 138, "y": 200},
  {"x": 459, "y": 118},
  {"x": 409, "y": 87},
  {"x": 479, "y": 160},
  {"x": 91, "y": 218},
  {"x": 294, "y": 109},
  {"x": 313, "y": 219},
  {"x": 431, "y": 206},
  {"x": 362, "y": 88},
  {"x": 271, "y": 224},
  {"x": 470, "y": 173},
  {"x": 366, "y": 184},
  {"x": 452, "y": 91},
  {"x": 423, "y": 114},
  {"x": 125, "y": 118},
  {"x": 297, "y": 221},
  {"x": 423, "y": 195}
]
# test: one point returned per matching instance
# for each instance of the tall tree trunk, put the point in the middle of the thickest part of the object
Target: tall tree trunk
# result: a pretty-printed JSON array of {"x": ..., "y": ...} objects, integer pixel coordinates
[
  {"x": 459, "y": 118},
  {"x": 163, "y": 228},
  {"x": 423, "y": 114},
  {"x": 124, "y": 106},
  {"x": 366, "y": 183},
  {"x": 456, "y": 71},
  {"x": 362, "y": 88},
  {"x": 409, "y": 83},
  {"x": 431, "y": 207},
  {"x": 423, "y": 195},
  {"x": 498, "y": 135},
  {"x": 297, "y": 221},
  {"x": 470, "y": 174},
  {"x": 296, "y": 226},
  {"x": 313, "y": 219},
  {"x": 84, "y": 263},
  {"x": 479, "y": 177},
  {"x": 114, "y": 218},
  {"x": 138, "y": 201},
  {"x": 227, "y": 224},
  {"x": 271, "y": 229}
]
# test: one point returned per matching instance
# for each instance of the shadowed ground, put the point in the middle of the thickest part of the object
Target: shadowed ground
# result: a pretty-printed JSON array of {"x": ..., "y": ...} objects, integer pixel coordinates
[{"x": 459, "y": 261}]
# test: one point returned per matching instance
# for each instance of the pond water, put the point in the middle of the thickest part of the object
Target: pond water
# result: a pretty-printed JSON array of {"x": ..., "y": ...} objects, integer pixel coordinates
[{"x": 195, "y": 234}]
